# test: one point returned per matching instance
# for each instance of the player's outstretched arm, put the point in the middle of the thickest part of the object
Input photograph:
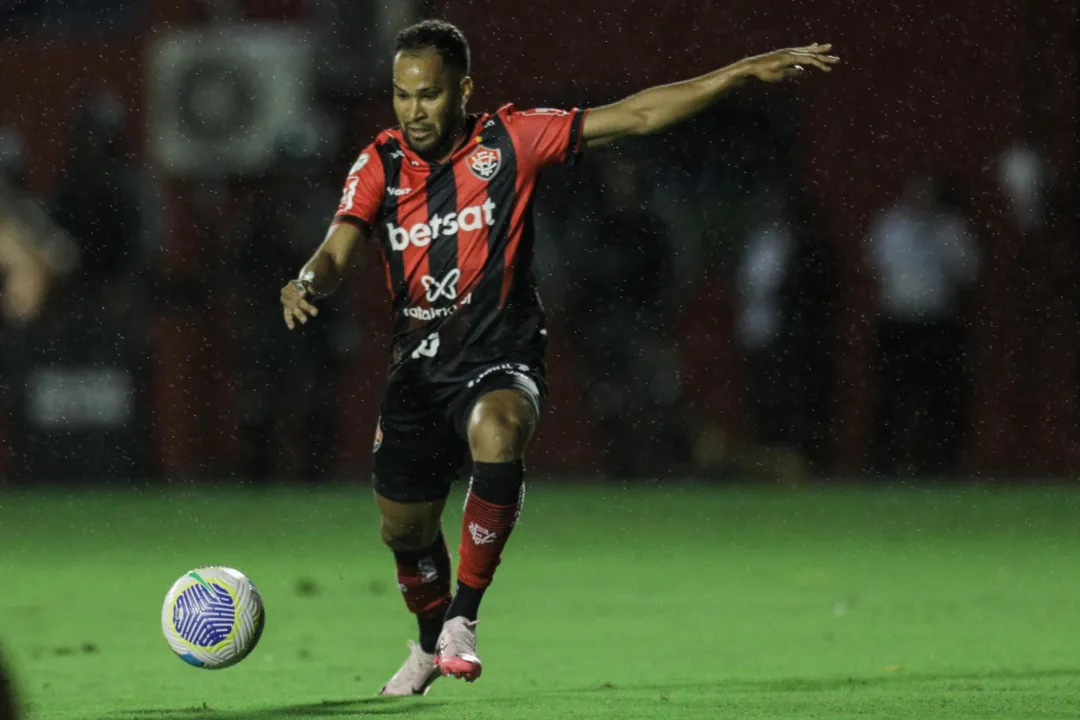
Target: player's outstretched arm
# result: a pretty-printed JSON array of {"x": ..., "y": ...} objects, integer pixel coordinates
[
  {"x": 322, "y": 274},
  {"x": 653, "y": 110}
]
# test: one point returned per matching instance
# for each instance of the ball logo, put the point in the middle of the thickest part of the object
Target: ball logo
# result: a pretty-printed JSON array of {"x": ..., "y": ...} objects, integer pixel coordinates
[
  {"x": 484, "y": 162},
  {"x": 204, "y": 615}
]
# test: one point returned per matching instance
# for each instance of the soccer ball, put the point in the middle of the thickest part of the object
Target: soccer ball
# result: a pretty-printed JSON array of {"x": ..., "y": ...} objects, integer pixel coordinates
[{"x": 213, "y": 617}]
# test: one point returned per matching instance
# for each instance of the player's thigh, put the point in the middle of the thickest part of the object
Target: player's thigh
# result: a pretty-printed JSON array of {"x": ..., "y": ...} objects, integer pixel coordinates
[
  {"x": 500, "y": 414},
  {"x": 415, "y": 465}
]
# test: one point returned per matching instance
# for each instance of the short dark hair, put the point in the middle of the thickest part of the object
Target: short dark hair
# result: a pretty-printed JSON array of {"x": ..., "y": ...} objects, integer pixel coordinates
[{"x": 437, "y": 36}]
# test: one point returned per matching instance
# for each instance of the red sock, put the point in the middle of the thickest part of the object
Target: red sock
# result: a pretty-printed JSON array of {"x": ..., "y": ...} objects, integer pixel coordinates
[
  {"x": 424, "y": 579},
  {"x": 487, "y": 523}
]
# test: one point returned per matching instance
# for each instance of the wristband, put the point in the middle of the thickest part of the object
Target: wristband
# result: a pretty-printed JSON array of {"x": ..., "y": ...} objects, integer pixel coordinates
[{"x": 306, "y": 283}]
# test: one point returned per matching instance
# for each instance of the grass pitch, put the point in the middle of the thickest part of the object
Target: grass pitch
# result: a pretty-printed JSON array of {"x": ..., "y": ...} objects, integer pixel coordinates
[{"x": 613, "y": 601}]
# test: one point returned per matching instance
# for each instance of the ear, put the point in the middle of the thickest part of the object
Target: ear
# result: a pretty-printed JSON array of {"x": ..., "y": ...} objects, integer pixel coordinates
[{"x": 466, "y": 88}]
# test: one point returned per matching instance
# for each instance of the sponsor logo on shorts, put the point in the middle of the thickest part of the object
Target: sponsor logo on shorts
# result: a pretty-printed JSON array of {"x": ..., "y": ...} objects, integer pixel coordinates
[
  {"x": 519, "y": 369},
  {"x": 378, "y": 436}
]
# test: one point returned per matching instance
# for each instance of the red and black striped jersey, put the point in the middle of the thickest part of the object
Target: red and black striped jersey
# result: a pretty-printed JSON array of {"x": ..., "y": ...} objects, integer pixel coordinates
[{"x": 456, "y": 237}]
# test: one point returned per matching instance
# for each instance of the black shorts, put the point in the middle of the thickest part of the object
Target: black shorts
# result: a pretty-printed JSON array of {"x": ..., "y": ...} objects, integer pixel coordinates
[{"x": 421, "y": 441}]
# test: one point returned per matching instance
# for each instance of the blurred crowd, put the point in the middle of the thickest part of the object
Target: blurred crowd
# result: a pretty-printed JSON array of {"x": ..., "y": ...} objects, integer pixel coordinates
[
  {"x": 629, "y": 244},
  {"x": 82, "y": 285}
]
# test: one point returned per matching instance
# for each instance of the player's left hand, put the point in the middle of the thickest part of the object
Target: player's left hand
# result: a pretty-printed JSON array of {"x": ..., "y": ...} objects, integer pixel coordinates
[
  {"x": 295, "y": 304},
  {"x": 789, "y": 62}
]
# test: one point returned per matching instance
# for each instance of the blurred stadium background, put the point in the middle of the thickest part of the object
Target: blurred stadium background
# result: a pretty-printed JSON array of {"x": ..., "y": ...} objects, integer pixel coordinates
[
  {"x": 192, "y": 151},
  {"x": 744, "y": 298}
]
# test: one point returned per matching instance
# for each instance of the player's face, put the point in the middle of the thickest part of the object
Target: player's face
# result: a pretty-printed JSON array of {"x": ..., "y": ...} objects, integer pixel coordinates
[{"x": 429, "y": 100}]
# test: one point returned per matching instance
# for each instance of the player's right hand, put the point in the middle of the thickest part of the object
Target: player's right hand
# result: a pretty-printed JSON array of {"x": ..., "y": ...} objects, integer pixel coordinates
[{"x": 296, "y": 303}]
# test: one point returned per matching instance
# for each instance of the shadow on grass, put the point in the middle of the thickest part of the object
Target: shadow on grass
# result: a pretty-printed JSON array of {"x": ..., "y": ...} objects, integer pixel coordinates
[
  {"x": 389, "y": 707},
  {"x": 972, "y": 680},
  {"x": 364, "y": 707}
]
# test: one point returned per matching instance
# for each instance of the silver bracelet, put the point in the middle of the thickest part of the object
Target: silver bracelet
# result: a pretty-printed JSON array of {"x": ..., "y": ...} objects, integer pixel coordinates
[{"x": 306, "y": 281}]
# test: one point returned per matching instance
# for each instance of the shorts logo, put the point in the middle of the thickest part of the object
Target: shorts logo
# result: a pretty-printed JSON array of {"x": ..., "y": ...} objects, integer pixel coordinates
[
  {"x": 484, "y": 162},
  {"x": 518, "y": 369},
  {"x": 428, "y": 572},
  {"x": 378, "y": 436},
  {"x": 447, "y": 287}
]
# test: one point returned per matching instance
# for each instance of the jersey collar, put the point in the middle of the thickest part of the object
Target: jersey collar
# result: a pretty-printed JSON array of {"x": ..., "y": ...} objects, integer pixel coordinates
[{"x": 473, "y": 123}]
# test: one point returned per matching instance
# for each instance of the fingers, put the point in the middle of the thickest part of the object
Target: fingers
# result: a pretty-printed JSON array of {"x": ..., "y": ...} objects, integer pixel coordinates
[
  {"x": 815, "y": 62},
  {"x": 815, "y": 52},
  {"x": 821, "y": 62},
  {"x": 296, "y": 314},
  {"x": 296, "y": 307}
]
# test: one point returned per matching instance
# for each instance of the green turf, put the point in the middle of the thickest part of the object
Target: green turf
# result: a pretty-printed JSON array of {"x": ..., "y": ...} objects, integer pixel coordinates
[{"x": 612, "y": 602}]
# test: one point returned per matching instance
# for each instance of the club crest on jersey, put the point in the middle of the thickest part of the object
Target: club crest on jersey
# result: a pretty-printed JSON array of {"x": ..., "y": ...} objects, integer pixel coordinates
[{"x": 484, "y": 162}]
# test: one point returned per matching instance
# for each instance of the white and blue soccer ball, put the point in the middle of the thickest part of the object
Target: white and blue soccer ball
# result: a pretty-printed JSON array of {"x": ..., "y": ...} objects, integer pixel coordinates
[{"x": 213, "y": 617}]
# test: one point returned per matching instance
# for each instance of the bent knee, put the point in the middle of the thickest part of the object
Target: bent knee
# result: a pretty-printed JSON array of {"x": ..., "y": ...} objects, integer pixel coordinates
[
  {"x": 499, "y": 432},
  {"x": 407, "y": 535}
]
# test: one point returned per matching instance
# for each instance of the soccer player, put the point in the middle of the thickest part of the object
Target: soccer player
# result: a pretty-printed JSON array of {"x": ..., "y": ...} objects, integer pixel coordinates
[{"x": 447, "y": 197}]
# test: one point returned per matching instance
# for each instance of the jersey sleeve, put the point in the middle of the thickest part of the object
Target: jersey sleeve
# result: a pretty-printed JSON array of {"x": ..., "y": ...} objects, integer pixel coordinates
[
  {"x": 548, "y": 135},
  {"x": 364, "y": 189}
]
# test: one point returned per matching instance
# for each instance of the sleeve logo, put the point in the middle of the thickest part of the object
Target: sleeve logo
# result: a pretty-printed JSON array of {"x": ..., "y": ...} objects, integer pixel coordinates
[
  {"x": 349, "y": 195},
  {"x": 359, "y": 164}
]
